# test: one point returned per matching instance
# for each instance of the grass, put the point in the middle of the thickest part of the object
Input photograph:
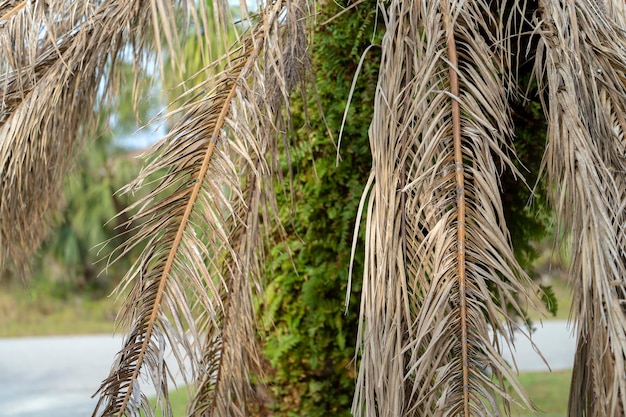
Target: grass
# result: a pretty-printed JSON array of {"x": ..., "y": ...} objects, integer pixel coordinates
[
  {"x": 178, "y": 401},
  {"x": 548, "y": 390},
  {"x": 31, "y": 312}
]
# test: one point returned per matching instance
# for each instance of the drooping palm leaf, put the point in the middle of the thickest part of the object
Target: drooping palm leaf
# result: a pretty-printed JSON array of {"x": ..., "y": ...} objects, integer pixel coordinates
[
  {"x": 437, "y": 242},
  {"x": 53, "y": 64},
  {"x": 581, "y": 65},
  {"x": 616, "y": 9},
  {"x": 193, "y": 285}
]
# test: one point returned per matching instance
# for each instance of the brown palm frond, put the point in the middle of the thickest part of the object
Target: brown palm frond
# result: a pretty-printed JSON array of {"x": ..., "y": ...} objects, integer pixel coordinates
[
  {"x": 582, "y": 67},
  {"x": 194, "y": 283},
  {"x": 436, "y": 237},
  {"x": 616, "y": 9},
  {"x": 54, "y": 57},
  {"x": 256, "y": 118},
  {"x": 10, "y": 7}
]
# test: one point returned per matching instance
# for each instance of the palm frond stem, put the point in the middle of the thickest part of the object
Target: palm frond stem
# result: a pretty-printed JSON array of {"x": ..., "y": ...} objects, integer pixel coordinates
[{"x": 460, "y": 190}]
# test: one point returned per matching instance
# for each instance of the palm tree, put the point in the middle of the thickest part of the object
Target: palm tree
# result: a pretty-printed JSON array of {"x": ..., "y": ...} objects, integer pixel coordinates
[{"x": 441, "y": 285}]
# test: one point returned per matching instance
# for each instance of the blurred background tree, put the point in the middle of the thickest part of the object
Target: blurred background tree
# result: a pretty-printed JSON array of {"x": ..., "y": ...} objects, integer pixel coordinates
[{"x": 72, "y": 260}]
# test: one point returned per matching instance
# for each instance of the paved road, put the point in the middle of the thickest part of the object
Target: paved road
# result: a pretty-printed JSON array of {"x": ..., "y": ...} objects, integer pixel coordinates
[
  {"x": 52, "y": 375},
  {"x": 56, "y": 376},
  {"x": 555, "y": 342}
]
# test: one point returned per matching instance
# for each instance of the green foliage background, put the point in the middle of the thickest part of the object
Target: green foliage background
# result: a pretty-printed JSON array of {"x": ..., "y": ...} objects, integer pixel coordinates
[
  {"x": 70, "y": 260},
  {"x": 309, "y": 339}
]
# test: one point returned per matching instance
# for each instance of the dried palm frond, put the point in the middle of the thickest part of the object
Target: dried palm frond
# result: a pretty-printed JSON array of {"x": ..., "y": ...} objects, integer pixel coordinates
[
  {"x": 232, "y": 351},
  {"x": 194, "y": 282},
  {"x": 582, "y": 67},
  {"x": 54, "y": 55},
  {"x": 437, "y": 242},
  {"x": 616, "y": 9}
]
